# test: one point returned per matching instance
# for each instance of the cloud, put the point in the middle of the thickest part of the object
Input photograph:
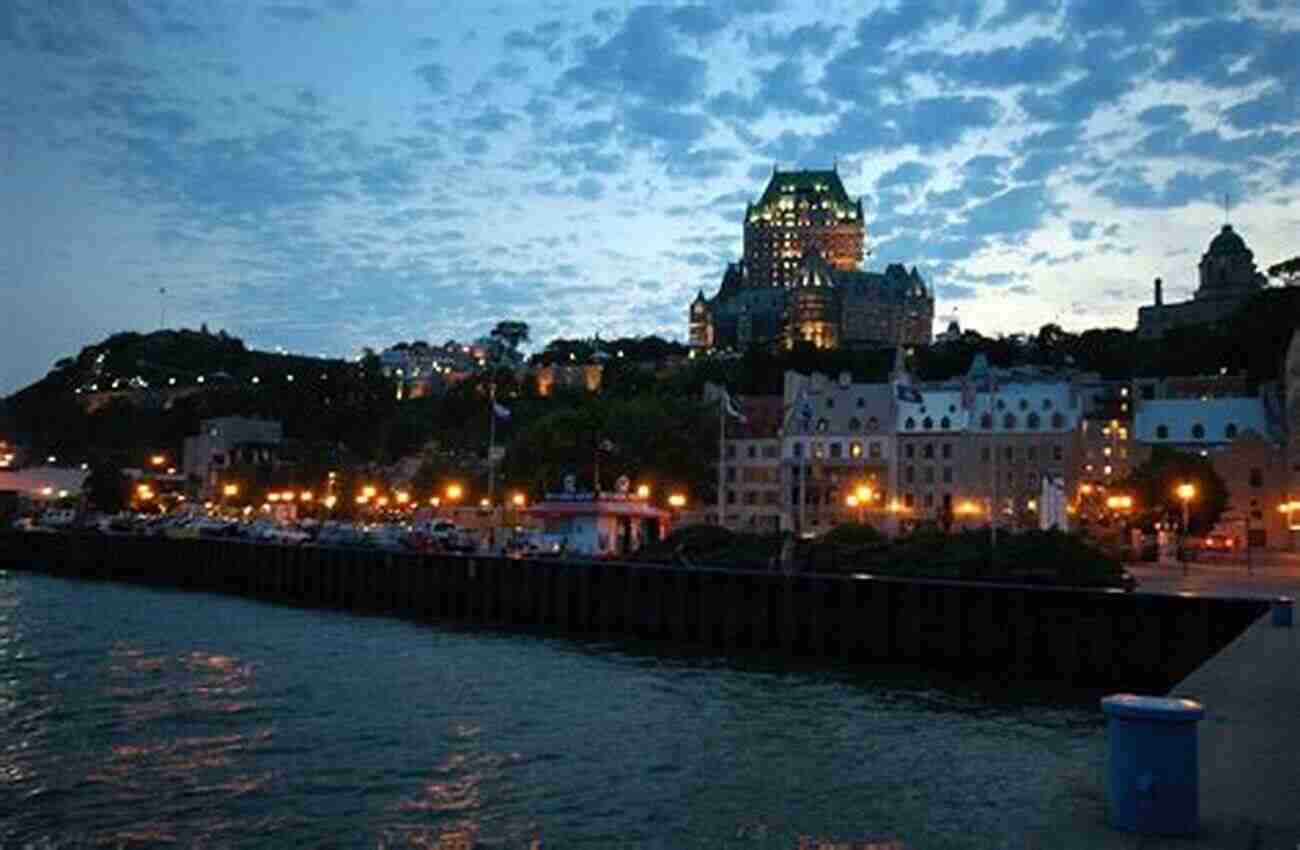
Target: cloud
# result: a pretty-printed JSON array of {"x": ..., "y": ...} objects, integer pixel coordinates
[
  {"x": 911, "y": 174},
  {"x": 296, "y": 14},
  {"x": 813, "y": 39},
  {"x": 643, "y": 59},
  {"x": 1011, "y": 214},
  {"x": 1129, "y": 187},
  {"x": 434, "y": 76},
  {"x": 956, "y": 292},
  {"x": 1082, "y": 229},
  {"x": 1039, "y": 61}
]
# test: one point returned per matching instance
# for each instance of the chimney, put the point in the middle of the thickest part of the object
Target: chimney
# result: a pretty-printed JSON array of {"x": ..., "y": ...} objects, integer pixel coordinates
[{"x": 1160, "y": 298}]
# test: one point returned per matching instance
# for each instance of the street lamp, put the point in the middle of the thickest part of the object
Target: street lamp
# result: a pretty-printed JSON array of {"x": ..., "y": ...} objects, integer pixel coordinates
[
  {"x": 852, "y": 502},
  {"x": 643, "y": 492},
  {"x": 864, "y": 495},
  {"x": 1186, "y": 492}
]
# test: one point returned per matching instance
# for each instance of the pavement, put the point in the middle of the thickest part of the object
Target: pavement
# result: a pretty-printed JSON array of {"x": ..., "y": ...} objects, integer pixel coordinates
[
  {"x": 1267, "y": 576},
  {"x": 1249, "y": 738}
]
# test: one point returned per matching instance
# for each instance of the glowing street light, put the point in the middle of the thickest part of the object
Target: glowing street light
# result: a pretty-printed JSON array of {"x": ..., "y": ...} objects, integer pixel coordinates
[
  {"x": 369, "y": 492},
  {"x": 158, "y": 460},
  {"x": 518, "y": 500},
  {"x": 230, "y": 490},
  {"x": 677, "y": 500},
  {"x": 1186, "y": 492},
  {"x": 643, "y": 492},
  {"x": 454, "y": 492}
]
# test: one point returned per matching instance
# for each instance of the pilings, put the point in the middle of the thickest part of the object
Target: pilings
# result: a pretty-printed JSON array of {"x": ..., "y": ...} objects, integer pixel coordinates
[{"x": 1090, "y": 638}]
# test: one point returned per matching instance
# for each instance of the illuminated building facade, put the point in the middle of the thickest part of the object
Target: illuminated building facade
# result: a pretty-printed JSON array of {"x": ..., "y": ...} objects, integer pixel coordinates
[{"x": 800, "y": 280}]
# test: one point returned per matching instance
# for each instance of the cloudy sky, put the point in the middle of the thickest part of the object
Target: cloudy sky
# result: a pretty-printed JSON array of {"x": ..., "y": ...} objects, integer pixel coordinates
[{"x": 354, "y": 172}]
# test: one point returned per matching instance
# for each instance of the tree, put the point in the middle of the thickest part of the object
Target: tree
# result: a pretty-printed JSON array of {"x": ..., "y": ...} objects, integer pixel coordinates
[
  {"x": 1288, "y": 271},
  {"x": 513, "y": 334},
  {"x": 106, "y": 488},
  {"x": 1154, "y": 486}
]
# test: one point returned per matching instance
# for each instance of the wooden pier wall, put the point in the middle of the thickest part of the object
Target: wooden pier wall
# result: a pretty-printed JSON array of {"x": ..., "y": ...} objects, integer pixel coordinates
[{"x": 1088, "y": 638}]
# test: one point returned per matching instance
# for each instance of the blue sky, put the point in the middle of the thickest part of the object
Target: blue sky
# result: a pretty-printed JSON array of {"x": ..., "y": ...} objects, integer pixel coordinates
[{"x": 323, "y": 176}]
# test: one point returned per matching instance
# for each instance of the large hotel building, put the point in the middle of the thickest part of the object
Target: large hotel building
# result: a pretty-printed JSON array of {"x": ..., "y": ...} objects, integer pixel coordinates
[{"x": 800, "y": 280}]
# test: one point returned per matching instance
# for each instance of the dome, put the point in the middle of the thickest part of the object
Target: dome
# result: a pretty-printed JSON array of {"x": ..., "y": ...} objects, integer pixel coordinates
[{"x": 1227, "y": 242}]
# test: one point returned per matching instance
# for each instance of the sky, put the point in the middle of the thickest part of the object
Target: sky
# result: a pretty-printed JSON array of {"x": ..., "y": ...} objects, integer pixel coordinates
[{"x": 329, "y": 175}]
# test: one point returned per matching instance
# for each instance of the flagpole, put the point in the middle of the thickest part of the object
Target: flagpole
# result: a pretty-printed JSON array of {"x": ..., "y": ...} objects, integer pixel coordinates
[
  {"x": 492, "y": 445},
  {"x": 722, "y": 439}
]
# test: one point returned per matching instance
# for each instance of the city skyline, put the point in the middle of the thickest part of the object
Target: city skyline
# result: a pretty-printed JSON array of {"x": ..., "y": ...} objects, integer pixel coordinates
[{"x": 327, "y": 176}]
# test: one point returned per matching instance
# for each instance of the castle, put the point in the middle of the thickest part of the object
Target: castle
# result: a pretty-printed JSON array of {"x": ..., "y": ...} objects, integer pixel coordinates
[
  {"x": 1228, "y": 278},
  {"x": 800, "y": 280}
]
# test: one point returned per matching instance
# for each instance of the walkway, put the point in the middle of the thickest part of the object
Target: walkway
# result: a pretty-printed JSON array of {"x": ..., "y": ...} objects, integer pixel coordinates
[{"x": 1249, "y": 739}]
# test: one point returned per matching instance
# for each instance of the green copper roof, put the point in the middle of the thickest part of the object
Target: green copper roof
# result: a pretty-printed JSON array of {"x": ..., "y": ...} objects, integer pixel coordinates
[{"x": 805, "y": 183}]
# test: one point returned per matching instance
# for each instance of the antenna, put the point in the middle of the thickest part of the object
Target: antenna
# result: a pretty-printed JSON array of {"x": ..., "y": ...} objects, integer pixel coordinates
[{"x": 162, "y": 308}]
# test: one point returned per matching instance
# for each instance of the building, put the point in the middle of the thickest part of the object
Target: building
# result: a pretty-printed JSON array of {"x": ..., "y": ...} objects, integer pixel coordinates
[
  {"x": 986, "y": 444},
  {"x": 1246, "y": 440},
  {"x": 1228, "y": 278},
  {"x": 800, "y": 279},
  {"x": 1105, "y": 431},
  {"x": 585, "y": 377},
  {"x": 751, "y": 467},
  {"x": 838, "y": 435},
  {"x": 226, "y": 442}
]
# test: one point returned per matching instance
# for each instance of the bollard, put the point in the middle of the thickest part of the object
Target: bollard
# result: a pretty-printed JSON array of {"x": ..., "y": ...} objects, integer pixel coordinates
[
  {"x": 1153, "y": 778},
  {"x": 1282, "y": 609}
]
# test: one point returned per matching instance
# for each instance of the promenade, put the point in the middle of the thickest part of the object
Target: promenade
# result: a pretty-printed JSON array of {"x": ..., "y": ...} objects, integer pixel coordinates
[{"x": 1249, "y": 738}]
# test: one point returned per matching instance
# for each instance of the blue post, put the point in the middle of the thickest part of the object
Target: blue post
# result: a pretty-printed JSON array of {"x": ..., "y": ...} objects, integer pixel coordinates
[
  {"x": 1153, "y": 778},
  {"x": 1283, "y": 607}
]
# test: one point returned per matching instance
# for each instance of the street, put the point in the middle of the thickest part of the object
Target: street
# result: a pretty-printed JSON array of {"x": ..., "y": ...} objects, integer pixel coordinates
[{"x": 1269, "y": 574}]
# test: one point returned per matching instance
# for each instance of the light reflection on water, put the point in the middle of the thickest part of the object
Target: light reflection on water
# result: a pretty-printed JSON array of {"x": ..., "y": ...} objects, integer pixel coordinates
[{"x": 136, "y": 718}]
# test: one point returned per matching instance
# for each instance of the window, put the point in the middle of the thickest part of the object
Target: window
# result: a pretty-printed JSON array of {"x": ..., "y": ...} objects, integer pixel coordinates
[
  {"x": 908, "y": 500},
  {"x": 1058, "y": 421},
  {"x": 909, "y": 451},
  {"x": 928, "y": 423},
  {"x": 875, "y": 449},
  {"x": 910, "y": 424},
  {"x": 985, "y": 454},
  {"x": 822, "y": 425},
  {"x": 830, "y": 402},
  {"x": 947, "y": 475},
  {"x": 1058, "y": 453},
  {"x": 819, "y": 450},
  {"x": 1256, "y": 477},
  {"x": 1162, "y": 432},
  {"x": 751, "y": 452},
  {"x": 731, "y": 451},
  {"x": 1230, "y": 432},
  {"x": 855, "y": 450},
  {"x": 855, "y": 424},
  {"x": 946, "y": 450},
  {"x": 731, "y": 473},
  {"x": 1047, "y": 404},
  {"x": 1031, "y": 453},
  {"x": 1001, "y": 405},
  {"x": 1198, "y": 431},
  {"x": 835, "y": 450},
  {"x": 909, "y": 475},
  {"x": 929, "y": 475},
  {"x": 862, "y": 402},
  {"x": 873, "y": 423},
  {"x": 798, "y": 449},
  {"x": 986, "y": 421},
  {"x": 927, "y": 451},
  {"x": 1009, "y": 421},
  {"x": 1009, "y": 454},
  {"x": 945, "y": 423},
  {"x": 1024, "y": 404},
  {"x": 771, "y": 452},
  {"x": 731, "y": 497},
  {"x": 1033, "y": 421}
]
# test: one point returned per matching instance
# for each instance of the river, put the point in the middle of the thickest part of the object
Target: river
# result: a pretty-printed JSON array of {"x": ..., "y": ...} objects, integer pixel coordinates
[{"x": 138, "y": 717}]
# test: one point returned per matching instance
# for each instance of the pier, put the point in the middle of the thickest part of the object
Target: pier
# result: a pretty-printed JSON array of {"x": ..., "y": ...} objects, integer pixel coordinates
[{"x": 1088, "y": 639}]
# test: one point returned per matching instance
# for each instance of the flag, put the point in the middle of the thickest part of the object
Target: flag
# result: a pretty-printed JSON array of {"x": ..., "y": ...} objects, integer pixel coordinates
[
  {"x": 500, "y": 410},
  {"x": 906, "y": 392},
  {"x": 803, "y": 409},
  {"x": 732, "y": 409}
]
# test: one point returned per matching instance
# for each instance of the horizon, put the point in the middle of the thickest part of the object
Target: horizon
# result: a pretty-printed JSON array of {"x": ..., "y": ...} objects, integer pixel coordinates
[{"x": 320, "y": 177}]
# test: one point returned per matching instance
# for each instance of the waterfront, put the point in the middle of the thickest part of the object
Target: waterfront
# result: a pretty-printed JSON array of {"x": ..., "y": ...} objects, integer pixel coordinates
[{"x": 135, "y": 717}]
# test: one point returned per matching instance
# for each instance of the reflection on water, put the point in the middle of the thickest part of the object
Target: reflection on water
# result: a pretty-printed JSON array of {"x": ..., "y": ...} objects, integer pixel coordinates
[{"x": 132, "y": 717}]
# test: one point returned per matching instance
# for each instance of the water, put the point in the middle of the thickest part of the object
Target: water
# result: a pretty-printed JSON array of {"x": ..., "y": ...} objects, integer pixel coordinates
[{"x": 134, "y": 717}]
